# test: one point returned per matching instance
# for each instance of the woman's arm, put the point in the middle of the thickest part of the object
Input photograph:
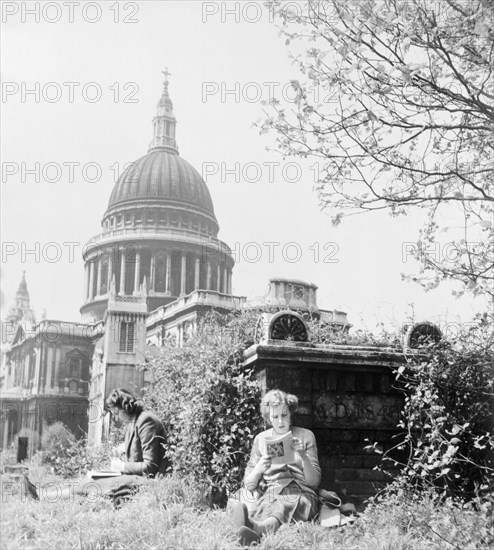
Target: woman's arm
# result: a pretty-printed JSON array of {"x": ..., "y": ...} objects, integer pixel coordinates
[
  {"x": 151, "y": 436},
  {"x": 256, "y": 467},
  {"x": 308, "y": 453}
]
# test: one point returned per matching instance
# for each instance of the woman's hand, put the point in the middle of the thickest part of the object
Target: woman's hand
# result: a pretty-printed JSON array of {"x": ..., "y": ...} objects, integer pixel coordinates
[
  {"x": 118, "y": 451},
  {"x": 263, "y": 465},
  {"x": 298, "y": 446},
  {"x": 117, "y": 465}
]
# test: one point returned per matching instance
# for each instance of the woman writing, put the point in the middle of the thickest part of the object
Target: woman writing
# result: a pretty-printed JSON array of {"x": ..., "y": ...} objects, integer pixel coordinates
[
  {"x": 144, "y": 452},
  {"x": 290, "y": 494},
  {"x": 144, "y": 436}
]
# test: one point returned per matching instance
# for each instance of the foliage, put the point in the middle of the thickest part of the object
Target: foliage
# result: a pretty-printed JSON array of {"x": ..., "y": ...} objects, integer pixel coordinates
[
  {"x": 448, "y": 442},
  {"x": 396, "y": 104},
  {"x": 209, "y": 403},
  {"x": 8, "y": 456},
  {"x": 325, "y": 333},
  {"x": 426, "y": 516},
  {"x": 70, "y": 457},
  {"x": 57, "y": 438}
]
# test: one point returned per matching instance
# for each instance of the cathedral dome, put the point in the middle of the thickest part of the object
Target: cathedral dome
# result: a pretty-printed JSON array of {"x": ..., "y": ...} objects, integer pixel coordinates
[
  {"x": 162, "y": 177},
  {"x": 160, "y": 233},
  {"x": 161, "y": 188}
]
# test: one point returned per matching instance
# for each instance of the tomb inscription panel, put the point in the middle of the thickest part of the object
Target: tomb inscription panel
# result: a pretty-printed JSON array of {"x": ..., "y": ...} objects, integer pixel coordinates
[{"x": 356, "y": 410}]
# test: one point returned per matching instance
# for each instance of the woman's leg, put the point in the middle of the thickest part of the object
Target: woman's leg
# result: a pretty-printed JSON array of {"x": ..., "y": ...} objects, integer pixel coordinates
[
  {"x": 70, "y": 489},
  {"x": 67, "y": 489},
  {"x": 267, "y": 526},
  {"x": 250, "y": 535}
]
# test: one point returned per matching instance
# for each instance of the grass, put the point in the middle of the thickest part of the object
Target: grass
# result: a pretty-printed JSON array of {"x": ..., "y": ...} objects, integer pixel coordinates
[{"x": 167, "y": 514}]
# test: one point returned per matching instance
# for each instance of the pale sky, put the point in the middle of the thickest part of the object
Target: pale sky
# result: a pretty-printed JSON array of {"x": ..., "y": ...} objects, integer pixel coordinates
[{"x": 212, "y": 47}]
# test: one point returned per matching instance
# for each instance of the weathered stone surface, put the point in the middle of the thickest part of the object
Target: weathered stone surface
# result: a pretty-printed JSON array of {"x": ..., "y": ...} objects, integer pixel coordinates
[
  {"x": 359, "y": 474},
  {"x": 344, "y": 409}
]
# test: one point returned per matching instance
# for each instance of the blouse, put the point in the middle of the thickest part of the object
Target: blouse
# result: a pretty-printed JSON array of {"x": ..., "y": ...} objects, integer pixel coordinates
[{"x": 279, "y": 476}]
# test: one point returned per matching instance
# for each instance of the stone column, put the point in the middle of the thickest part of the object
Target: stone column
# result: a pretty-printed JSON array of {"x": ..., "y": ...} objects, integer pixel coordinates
[
  {"x": 229, "y": 282},
  {"x": 98, "y": 280},
  {"x": 91, "y": 280},
  {"x": 218, "y": 278},
  {"x": 58, "y": 366},
  {"x": 37, "y": 369},
  {"x": 183, "y": 274},
  {"x": 168, "y": 273},
  {"x": 197, "y": 274},
  {"x": 137, "y": 274},
  {"x": 123, "y": 265},
  {"x": 208, "y": 277},
  {"x": 152, "y": 270},
  {"x": 49, "y": 376},
  {"x": 58, "y": 359},
  {"x": 110, "y": 272},
  {"x": 48, "y": 366},
  {"x": 86, "y": 281},
  {"x": 225, "y": 281}
]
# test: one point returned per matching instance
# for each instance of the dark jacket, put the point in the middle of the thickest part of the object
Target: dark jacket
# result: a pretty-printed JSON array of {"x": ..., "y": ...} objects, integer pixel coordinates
[{"x": 144, "y": 449}]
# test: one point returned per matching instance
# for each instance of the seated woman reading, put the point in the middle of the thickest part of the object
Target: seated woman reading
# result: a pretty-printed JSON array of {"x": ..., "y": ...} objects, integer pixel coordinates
[
  {"x": 290, "y": 492},
  {"x": 144, "y": 452}
]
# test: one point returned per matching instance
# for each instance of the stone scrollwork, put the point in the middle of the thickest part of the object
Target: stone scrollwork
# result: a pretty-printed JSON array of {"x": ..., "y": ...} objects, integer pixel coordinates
[
  {"x": 288, "y": 326},
  {"x": 298, "y": 292},
  {"x": 423, "y": 334},
  {"x": 260, "y": 332}
]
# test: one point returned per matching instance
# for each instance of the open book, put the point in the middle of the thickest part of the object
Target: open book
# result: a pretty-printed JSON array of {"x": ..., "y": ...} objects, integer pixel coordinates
[
  {"x": 280, "y": 448},
  {"x": 95, "y": 474}
]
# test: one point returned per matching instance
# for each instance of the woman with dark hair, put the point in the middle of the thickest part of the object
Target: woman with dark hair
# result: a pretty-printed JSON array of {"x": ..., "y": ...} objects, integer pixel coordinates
[
  {"x": 144, "y": 435},
  {"x": 290, "y": 489},
  {"x": 144, "y": 453}
]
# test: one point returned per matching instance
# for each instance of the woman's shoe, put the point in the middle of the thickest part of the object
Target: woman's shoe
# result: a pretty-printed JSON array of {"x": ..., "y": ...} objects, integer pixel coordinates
[
  {"x": 247, "y": 536},
  {"x": 29, "y": 489},
  {"x": 241, "y": 516}
]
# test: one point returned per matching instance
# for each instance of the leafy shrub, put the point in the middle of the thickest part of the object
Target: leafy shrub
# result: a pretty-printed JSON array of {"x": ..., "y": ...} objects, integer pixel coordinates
[
  {"x": 57, "y": 438},
  {"x": 409, "y": 519},
  {"x": 8, "y": 456},
  {"x": 448, "y": 441},
  {"x": 209, "y": 403},
  {"x": 70, "y": 457},
  {"x": 326, "y": 333}
]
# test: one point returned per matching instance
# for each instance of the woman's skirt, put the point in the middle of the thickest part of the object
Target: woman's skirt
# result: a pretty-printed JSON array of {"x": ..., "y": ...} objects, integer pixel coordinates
[
  {"x": 118, "y": 488},
  {"x": 289, "y": 504}
]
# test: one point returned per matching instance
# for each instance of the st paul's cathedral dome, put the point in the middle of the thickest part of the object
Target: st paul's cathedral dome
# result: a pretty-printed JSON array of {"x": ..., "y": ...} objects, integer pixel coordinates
[{"x": 159, "y": 229}]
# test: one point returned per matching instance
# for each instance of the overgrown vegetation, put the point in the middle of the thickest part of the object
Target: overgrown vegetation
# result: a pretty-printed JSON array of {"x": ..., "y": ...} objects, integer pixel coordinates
[
  {"x": 448, "y": 419},
  {"x": 442, "y": 499},
  {"x": 326, "y": 333},
  {"x": 208, "y": 402},
  {"x": 69, "y": 457},
  {"x": 167, "y": 514}
]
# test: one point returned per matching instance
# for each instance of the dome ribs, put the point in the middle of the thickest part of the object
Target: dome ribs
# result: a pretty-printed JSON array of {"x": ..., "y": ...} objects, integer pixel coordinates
[{"x": 164, "y": 178}]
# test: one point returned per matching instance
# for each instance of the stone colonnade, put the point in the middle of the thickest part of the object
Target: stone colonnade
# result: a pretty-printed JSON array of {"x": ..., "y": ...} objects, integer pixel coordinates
[{"x": 169, "y": 272}]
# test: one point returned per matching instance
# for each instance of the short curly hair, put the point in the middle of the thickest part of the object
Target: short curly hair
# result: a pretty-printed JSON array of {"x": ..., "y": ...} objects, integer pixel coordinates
[
  {"x": 125, "y": 400},
  {"x": 278, "y": 397}
]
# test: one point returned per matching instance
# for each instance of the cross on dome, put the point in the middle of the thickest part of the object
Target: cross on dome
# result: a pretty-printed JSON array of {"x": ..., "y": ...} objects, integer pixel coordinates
[{"x": 167, "y": 74}]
